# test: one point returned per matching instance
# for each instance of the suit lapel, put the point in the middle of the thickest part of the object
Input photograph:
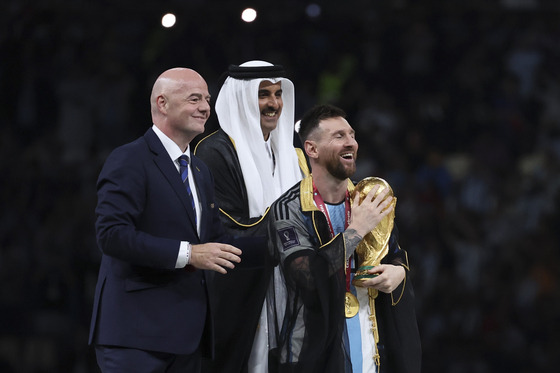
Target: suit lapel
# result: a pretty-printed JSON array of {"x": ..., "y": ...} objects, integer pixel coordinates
[{"x": 169, "y": 171}]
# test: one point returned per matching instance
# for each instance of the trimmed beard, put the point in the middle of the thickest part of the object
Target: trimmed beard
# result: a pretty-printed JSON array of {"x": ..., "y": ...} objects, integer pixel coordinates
[{"x": 340, "y": 172}]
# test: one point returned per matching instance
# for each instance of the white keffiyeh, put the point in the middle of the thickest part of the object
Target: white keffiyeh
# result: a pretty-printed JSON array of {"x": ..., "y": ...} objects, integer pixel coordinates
[{"x": 238, "y": 112}]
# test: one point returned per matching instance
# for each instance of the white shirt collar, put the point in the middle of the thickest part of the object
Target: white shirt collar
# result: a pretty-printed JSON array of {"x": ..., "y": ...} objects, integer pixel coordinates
[{"x": 170, "y": 146}]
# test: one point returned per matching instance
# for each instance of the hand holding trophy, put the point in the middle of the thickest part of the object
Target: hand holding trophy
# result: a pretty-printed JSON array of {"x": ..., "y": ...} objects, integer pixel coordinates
[{"x": 375, "y": 245}]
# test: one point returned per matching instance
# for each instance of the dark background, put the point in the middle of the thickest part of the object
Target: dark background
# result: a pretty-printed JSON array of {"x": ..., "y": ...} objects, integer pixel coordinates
[{"x": 455, "y": 103}]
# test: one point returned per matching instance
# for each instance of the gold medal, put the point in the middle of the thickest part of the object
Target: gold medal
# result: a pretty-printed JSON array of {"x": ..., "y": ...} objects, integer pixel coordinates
[{"x": 351, "y": 305}]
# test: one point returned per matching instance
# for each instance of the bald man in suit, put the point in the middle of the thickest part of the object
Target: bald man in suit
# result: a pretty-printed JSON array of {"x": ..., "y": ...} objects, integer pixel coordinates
[{"x": 161, "y": 240}]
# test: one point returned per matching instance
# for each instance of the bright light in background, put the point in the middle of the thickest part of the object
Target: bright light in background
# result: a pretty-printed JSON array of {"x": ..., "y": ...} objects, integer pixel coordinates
[
  {"x": 313, "y": 10},
  {"x": 249, "y": 15},
  {"x": 168, "y": 20}
]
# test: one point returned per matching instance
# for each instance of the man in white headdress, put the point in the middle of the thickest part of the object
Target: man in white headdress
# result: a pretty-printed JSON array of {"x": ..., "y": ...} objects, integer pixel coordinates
[{"x": 253, "y": 160}]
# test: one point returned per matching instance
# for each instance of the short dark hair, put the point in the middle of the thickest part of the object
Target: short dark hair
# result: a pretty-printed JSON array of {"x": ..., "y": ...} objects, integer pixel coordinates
[{"x": 313, "y": 116}]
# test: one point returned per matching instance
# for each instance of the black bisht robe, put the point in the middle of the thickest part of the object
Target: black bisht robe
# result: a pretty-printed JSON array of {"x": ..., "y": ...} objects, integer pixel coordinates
[
  {"x": 312, "y": 264},
  {"x": 239, "y": 295}
]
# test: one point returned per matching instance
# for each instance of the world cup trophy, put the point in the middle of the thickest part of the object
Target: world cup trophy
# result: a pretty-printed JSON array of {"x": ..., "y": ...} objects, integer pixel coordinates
[{"x": 375, "y": 245}]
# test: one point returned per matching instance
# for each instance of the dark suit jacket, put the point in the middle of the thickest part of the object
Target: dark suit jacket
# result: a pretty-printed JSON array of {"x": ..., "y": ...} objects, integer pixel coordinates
[{"x": 141, "y": 300}]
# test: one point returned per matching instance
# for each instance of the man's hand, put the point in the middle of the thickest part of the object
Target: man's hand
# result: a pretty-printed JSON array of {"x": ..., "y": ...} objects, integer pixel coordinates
[
  {"x": 366, "y": 215},
  {"x": 388, "y": 277},
  {"x": 215, "y": 256}
]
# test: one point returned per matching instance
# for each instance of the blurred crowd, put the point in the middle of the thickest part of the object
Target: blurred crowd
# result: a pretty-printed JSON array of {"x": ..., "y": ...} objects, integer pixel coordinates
[{"x": 456, "y": 105}]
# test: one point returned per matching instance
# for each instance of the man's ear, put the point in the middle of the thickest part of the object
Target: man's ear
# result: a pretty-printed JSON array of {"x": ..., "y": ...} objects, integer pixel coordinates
[
  {"x": 310, "y": 148},
  {"x": 161, "y": 102}
]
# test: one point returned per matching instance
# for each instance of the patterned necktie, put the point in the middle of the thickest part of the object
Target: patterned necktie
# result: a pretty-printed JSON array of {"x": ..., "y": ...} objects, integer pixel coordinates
[{"x": 184, "y": 170}]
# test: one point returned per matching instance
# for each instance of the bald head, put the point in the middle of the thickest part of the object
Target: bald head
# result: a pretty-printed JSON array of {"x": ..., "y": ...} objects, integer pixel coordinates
[
  {"x": 180, "y": 104},
  {"x": 172, "y": 81}
]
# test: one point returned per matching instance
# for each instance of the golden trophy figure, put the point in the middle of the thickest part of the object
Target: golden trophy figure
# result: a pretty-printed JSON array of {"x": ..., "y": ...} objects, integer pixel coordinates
[{"x": 373, "y": 247}]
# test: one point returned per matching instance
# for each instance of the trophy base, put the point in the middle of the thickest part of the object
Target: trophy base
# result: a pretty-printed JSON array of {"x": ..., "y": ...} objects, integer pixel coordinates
[{"x": 362, "y": 275}]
